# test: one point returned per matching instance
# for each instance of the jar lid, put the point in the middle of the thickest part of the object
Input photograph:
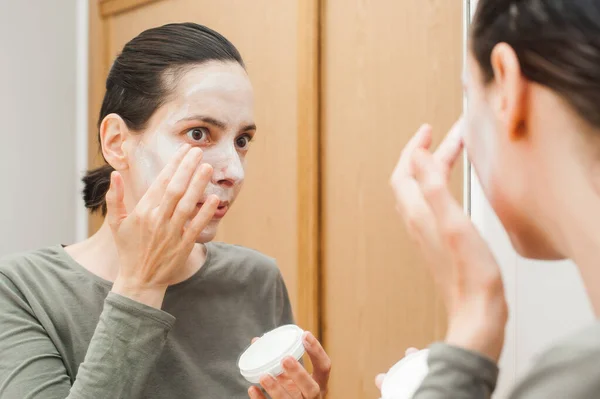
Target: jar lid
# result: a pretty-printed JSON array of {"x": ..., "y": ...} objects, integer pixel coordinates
[
  {"x": 406, "y": 376},
  {"x": 265, "y": 355}
]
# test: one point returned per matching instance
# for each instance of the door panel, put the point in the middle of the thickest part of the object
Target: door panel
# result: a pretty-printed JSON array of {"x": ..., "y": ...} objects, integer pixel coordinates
[{"x": 388, "y": 66}]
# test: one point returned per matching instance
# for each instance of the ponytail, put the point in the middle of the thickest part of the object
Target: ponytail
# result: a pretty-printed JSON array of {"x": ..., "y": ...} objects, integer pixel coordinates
[{"x": 96, "y": 184}]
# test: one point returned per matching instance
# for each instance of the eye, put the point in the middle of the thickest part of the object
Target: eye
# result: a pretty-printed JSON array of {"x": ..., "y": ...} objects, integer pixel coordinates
[
  {"x": 198, "y": 134},
  {"x": 243, "y": 141}
]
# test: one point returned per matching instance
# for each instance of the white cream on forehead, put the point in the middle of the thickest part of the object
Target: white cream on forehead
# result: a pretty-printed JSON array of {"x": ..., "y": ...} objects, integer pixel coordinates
[{"x": 218, "y": 81}]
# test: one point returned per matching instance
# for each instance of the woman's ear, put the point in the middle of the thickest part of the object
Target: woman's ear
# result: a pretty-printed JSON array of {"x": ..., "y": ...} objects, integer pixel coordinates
[
  {"x": 113, "y": 132},
  {"x": 511, "y": 90}
]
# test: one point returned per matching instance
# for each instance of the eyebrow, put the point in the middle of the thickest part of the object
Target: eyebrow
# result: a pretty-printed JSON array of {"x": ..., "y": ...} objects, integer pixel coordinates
[{"x": 215, "y": 122}]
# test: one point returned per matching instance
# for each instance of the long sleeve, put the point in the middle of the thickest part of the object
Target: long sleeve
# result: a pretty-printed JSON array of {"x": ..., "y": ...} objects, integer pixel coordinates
[
  {"x": 458, "y": 374},
  {"x": 125, "y": 346},
  {"x": 286, "y": 316},
  {"x": 568, "y": 370}
]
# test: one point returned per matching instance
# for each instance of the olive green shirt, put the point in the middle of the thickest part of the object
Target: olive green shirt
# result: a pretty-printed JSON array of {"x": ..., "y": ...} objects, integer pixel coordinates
[
  {"x": 63, "y": 334},
  {"x": 570, "y": 370}
]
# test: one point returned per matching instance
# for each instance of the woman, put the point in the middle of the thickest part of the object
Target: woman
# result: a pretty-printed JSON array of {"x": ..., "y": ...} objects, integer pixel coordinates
[
  {"x": 532, "y": 132},
  {"x": 97, "y": 319}
]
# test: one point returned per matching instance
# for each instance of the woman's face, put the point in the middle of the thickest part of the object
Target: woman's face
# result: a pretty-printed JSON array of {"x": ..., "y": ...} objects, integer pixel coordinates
[
  {"x": 212, "y": 108},
  {"x": 507, "y": 160}
]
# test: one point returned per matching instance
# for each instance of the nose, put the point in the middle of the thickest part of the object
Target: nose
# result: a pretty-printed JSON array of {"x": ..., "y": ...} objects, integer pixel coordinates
[{"x": 228, "y": 170}]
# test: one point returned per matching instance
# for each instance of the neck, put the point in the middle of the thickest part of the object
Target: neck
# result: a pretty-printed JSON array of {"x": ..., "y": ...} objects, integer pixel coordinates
[
  {"x": 100, "y": 256},
  {"x": 569, "y": 209},
  {"x": 579, "y": 230}
]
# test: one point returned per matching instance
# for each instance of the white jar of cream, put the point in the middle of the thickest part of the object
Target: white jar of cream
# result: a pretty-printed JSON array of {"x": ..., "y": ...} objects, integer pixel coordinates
[{"x": 265, "y": 355}]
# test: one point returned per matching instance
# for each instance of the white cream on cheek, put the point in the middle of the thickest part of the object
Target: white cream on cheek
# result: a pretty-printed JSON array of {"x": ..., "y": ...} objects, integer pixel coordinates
[
  {"x": 158, "y": 149},
  {"x": 483, "y": 157}
]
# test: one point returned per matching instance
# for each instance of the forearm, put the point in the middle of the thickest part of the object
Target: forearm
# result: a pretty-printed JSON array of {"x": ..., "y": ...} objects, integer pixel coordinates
[{"x": 128, "y": 341}]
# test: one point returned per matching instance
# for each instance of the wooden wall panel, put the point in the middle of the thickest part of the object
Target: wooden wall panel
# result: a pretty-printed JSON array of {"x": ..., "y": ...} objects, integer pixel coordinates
[{"x": 388, "y": 66}]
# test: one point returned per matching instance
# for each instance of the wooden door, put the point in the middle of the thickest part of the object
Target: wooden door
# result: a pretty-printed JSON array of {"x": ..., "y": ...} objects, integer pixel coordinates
[
  {"x": 388, "y": 66},
  {"x": 276, "y": 211}
]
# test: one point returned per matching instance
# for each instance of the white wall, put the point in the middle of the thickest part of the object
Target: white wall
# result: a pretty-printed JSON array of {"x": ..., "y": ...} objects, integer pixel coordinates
[{"x": 38, "y": 91}]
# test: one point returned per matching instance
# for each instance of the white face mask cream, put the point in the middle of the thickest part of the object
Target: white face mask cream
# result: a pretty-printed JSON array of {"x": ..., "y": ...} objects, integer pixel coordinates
[
  {"x": 406, "y": 376},
  {"x": 212, "y": 109},
  {"x": 265, "y": 355}
]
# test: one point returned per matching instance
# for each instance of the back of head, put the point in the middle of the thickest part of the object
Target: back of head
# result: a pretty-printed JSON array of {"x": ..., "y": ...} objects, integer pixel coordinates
[
  {"x": 557, "y": 43},
  {"x": 142, "y": 78}
]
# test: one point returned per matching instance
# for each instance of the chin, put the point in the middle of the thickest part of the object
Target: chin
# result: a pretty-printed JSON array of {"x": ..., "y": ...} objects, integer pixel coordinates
[
  {"x": 527, "y": 236},
  {"x": 532, "y": 246},
  {"x": 209, "y": 233}
]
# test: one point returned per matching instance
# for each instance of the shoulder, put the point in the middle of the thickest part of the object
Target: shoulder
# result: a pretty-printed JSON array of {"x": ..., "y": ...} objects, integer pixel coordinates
[
  {"x": 583, "y": 344},
  {"x": 243, "y": 261},
  {"x": 27, "y": 266},
  {"x": 568, "y": 369}
]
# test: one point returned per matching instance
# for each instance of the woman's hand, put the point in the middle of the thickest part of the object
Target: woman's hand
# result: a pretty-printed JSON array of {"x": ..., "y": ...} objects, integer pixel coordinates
[
  {"x": 296, "y": 382},
  {"x": 156, "y": 238},
  {"x": 462, "y": 265}
]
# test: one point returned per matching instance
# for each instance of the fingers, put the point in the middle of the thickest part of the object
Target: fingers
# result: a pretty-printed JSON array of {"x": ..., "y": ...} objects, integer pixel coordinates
[
  {"x": 455, "y": 227},
  {"x": 255, "y": 393},
  {"x": 289, "y": 385},
  {"x": 379, "y": 380},
  {"x": 273, "y": 387},
  {"x": 406, "y": 191},
  {"x": 451, "y": 147},
  {"x": 115, "y": 200},
  {"x": 319, "y": 359},
  {"x": 303, "y": 381},
  {"x": 156, "y": 191},
  {"x": 188, "y": 204},
  {"x": 432, "y": 182},
  {"x": 178, "y": 186},
  {"x": 202, "y": 218},
  {"x": 421, "y": 139},
  {"x": 410, "y": 351}
]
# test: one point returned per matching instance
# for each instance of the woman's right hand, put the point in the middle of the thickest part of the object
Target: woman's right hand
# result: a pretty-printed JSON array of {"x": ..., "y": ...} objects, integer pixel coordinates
[{"x": 156, "y": 238}]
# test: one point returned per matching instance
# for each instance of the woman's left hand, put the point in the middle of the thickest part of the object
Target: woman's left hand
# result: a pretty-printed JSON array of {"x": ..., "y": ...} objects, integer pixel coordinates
[
  {"x": 460, "y": 261},
  {"x": 296, "y": 382}
]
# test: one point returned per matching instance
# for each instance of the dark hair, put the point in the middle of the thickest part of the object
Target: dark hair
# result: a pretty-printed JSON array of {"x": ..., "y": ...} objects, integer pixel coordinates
[
  {"x": 142, "y": 78},
  {"x": 557, "y": 43}
]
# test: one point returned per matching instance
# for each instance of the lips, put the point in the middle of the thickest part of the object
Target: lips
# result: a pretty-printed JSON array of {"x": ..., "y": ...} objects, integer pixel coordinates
[{"x": 221, "y": 209}]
